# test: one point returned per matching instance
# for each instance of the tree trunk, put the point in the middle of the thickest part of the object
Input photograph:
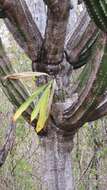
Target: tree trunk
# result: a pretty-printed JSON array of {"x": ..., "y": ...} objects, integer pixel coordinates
[{"x": 56, "y": 164}]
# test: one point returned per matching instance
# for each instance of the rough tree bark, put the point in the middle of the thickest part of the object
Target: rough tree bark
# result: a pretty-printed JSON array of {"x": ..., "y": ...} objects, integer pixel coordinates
[
  {"x": 56, "y": 167},
  {"x": 52, "y": 54}
]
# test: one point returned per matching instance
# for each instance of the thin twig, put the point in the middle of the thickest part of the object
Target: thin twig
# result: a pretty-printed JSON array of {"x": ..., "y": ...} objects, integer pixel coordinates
[{"x": 86, "y": 169}]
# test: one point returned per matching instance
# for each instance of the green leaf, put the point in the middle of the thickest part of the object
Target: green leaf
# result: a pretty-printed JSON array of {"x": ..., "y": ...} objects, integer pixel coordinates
[
  {"x": 24, "y": 75},
  {"x": 40, "y": 102},
  {"x": 43, "y": 115},
  {"x": 51, "y": 96},
  {"x": 25, "y": 105},
  {"x": 36, "y": 111}
]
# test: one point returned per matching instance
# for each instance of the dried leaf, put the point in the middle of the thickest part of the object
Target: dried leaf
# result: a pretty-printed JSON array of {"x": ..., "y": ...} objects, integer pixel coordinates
[{"x": 24, "y": 75}]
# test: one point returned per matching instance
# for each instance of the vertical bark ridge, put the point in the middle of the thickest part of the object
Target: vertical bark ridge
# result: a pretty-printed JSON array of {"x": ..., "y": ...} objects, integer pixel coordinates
[
  {"x": 56, "y": 160},
  {"x": 79, "y": 45}
]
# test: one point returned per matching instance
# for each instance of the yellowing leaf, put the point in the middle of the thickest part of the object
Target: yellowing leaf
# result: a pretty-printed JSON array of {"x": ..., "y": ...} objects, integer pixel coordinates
[
  {"x": 39, "y": 105},
  {"x": 25, "y": 105},
  {"x": 43, "y": 115},
  {"x": 51, "y": 96}
]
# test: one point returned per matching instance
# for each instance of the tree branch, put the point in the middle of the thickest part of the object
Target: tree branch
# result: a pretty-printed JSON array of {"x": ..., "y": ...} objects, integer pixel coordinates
[
  {"x": 86, "y": 169},
  {"x": 53, "y": 47},
  {"x": 82, "y": 23},
  {"x": 99, "y": 112},
  {"x": 92, "y": 85},
  {"x": 98, "y": 12},
  {"x": 95, "y": 86},
  {"x": 78, "y": 47},
  {"x": 21, "y": 24}
]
